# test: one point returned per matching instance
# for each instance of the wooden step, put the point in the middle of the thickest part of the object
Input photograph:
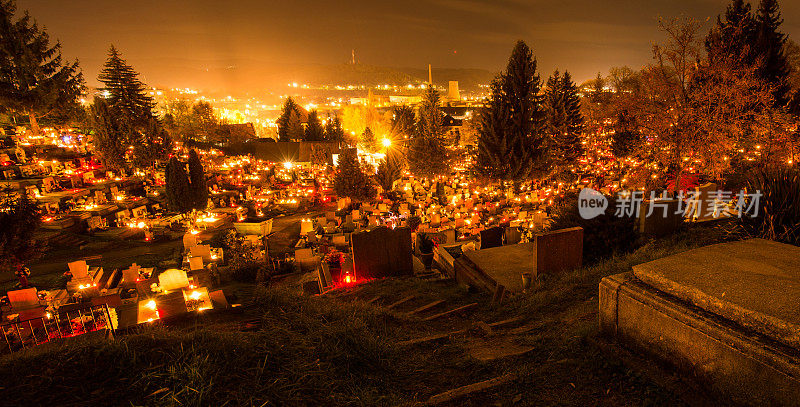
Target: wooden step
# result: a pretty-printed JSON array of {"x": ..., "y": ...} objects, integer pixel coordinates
[
  {"x": 406, "y": 299},
  {"x": 425, "y": 307},
  {"x": 469, "y": 389},
  {"x": 451, "y": 312}
]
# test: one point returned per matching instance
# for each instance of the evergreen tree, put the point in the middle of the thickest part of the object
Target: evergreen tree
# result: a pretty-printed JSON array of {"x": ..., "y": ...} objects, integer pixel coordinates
[
  {"x": 289, "y": 126},
  {"x": 389, "y": 170},
  {"x": 511, "y": 140},
  {"x": 350, "y": 181},
  {"x": 314, "y": 130},
  {"x": 179, "y": 195},
  {"x": 109, "y": 135},
  {"x": 403, "y": 121},
  {"x": 34, "y": 80},
  {"x": 197, "y": 182},
  {"x": 734, "y": 36},
  {"x": 564, "y": 121},
  {"x": 20, "y": 218},
  {"x": 333, "y": 128},
  {"x": 770, "y": 43},
  {"x": 368, "y": 141},
  {"x": 427, "y": 153},
  {"x": 598, "y": 94},
  {"x": 126, "y": 94},
  {"x": 150, "y": 144}
]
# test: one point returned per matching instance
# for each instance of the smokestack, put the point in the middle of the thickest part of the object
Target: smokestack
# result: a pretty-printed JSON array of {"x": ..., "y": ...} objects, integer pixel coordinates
[{"x": 430, "y": 76}]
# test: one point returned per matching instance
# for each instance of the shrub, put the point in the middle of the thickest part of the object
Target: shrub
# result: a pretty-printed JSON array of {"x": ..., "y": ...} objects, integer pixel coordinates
[
  {"x": 778, "y": 216},
  {"x": 604, "y": 235}
]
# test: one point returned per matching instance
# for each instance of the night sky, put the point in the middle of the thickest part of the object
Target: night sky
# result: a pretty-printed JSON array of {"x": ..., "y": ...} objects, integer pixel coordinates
[{"x": 164, "y": 39}]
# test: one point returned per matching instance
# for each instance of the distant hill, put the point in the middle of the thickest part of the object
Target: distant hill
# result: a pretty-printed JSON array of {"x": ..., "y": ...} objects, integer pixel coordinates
[{"x": 239, "y": 76}]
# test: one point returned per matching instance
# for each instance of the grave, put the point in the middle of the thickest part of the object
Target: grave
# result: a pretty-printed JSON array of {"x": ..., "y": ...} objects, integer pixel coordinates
[
  {"x": 382, "y": 252},
  {"x": 726, "y": 313},
  {"x": 254, "y": 228},
  {"x": 664, "y": 220},
  {"x": 557, "y": 251}
]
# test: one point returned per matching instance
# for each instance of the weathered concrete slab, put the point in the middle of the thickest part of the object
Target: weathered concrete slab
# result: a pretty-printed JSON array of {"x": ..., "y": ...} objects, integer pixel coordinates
[
  {"x": 504, "y": 264},
  {"x": 755, "y": 283},
  {"x": 748, "y": 369}
]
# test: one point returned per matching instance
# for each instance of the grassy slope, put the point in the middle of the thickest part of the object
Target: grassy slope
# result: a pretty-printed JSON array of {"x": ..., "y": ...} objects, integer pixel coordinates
[{"x": 323, "y": 350}]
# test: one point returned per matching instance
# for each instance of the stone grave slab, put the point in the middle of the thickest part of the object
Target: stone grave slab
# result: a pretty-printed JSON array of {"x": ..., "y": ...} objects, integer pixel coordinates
[
  {"x": 557, "y": 250},
  {"x": 504, "y": 264},
  {"x": 755, "y": 283}
]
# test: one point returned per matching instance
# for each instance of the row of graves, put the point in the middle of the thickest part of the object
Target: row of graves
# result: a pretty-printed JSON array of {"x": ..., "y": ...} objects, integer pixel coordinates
[{"x": 98, "y": 302}]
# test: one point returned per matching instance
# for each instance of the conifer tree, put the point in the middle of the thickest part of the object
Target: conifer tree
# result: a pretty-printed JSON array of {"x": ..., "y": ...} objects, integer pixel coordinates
[
  {"x": 34, "y": 80},
  {"x": 314, "y": 130},
  {"x": 126, "y": 94},
  {"x": 389, "y": 170},
  {"x": 511, "y": 140},
  {"x": 427, "y": 153},
  {"x": 564, "y": 122},
  {"x": 197, "y": 179},
  {"x": 734, "y": 36},
  {"x": 350, "y": 181},
  {"x": 368, "y": 141},
  {"x": 179, "y": 196},
  {"x": 770, "y": 43},
  {"x": 289, "y": 127},
  {"x": 109, "y": 135},
  {"x": 403, "y": 121},
  {"x": 333, "y": 128}
]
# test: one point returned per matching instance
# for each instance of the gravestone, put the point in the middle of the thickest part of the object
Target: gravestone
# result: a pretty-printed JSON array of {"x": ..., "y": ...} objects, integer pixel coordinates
[
  {"x": 140, "y": 212},
  {"x": 513, "y": 235},
  {"x": 492, "y": 237},
  {"x": 703, "y": 205},
  {"x": 201, "y": 250},
  {"x": 324, "y": 277},
  {"x": 664, "y": 219},
  {"x": 195, "y": 263},
  {"x": 382, "y": 252},
  {"x": 173, "y": 279},
  {"x": 557, "y": 250}
]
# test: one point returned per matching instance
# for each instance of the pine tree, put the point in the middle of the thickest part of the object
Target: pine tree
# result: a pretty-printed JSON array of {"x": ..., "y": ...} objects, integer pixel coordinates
[
  {"x": 20, "y": 217},
  {"x": 511, "y": 140},
  {"x": 126, "y": 94},
  {"x": 389, "y": 170},
  {"x": 734, "y": 36},
  {"x": 350, "y": 181},
  {"x": 770, "y": 43},
  {"x": 402, "y": 121},
  {"x": 314, "y": 130},
  {"x": 179, "y": 196},
  {"x": 564, "y": 122},
  {"x": 333, "y": 128},
  {"x": 427, "y": 153},
  {"x": 368, "y": 141},
  {"x": 109, "y": 135},
  {"x": 289, "y": 126},
  {"x": 197, "y": 179},
  {"x": 34, "y": 80}
]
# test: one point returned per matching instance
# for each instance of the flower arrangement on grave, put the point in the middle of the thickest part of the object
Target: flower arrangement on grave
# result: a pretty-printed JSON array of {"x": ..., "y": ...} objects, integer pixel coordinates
[{"x": 334, "y": 258}]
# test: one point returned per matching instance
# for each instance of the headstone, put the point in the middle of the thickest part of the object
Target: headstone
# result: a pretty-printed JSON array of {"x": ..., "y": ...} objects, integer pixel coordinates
[
  {"x": 492, "y": 237},
  {"x": 173, "y": 279},
  {"x": 195, "y": 263},
  {"x": 701, "y": 207},
  {"x": 324, "y": 277},
  {"x": 201, "y": 250},
  {"x": 140, "y": 212},
  {"x": 131, "y": 274},
  {"x": 663, "y": 220},
  {"x": 79, "y": 269},
  {"x": 189, "y": 241},
  {"x": 513, "y": 235},
  {"x": 558, "y": 250},
  {"x": 382, "y": 252}
]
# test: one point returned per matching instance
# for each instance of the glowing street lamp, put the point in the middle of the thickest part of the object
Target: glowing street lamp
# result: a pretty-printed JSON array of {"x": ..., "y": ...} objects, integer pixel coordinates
[
  {"x": 387, "y": 142},
  {"x": 287, "y": 165}
]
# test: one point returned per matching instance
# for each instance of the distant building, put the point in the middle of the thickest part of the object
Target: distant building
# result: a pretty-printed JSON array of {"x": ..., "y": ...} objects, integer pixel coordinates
[{"x": 453, "y": 93}]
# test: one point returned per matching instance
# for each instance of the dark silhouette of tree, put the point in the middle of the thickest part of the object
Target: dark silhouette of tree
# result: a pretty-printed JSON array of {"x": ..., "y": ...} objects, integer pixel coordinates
[
  {"x": 389, "y": 170},
  {"x": 314, "y": 130},
  {"x": 179, "y": 195},
  {"x": 333, "y": 129},
  {"x": 20, "y": 218},
  {"x": 403, "y": 122},
  {"x": 289, "y": 125},
  {"x": 34, "y": 80},
  {"x": 197, "y": 182}
]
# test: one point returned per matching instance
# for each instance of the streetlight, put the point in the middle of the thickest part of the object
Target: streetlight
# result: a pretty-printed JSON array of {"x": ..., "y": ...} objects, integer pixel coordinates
[{"x": 387, "y": 142}]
